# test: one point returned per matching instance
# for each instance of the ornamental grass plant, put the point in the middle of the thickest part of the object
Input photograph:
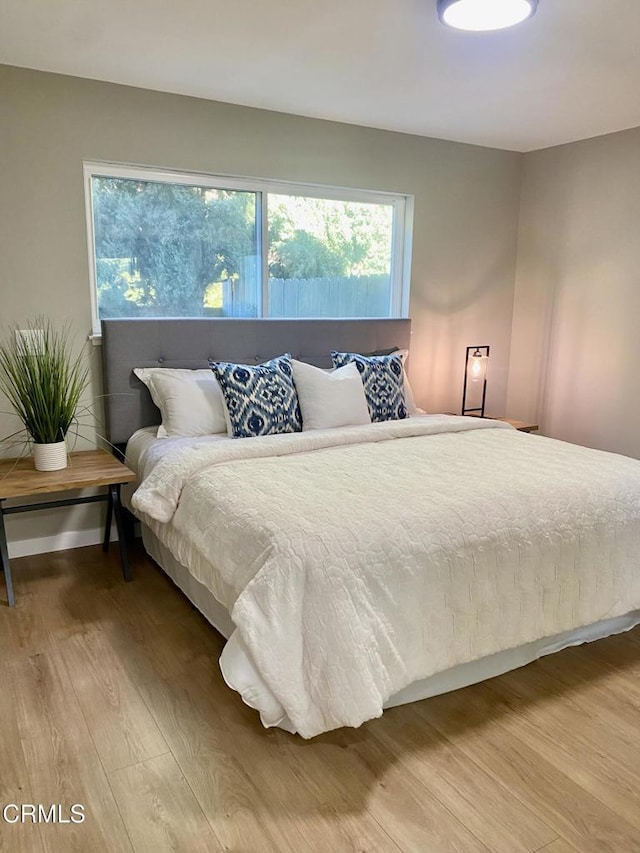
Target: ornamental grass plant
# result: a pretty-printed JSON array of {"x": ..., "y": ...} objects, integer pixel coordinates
[{"x": 43, "y": 377}]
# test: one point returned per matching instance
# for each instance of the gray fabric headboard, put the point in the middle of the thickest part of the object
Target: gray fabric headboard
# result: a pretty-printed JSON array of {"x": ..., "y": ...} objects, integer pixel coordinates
[{"x": 190, "y": 343}]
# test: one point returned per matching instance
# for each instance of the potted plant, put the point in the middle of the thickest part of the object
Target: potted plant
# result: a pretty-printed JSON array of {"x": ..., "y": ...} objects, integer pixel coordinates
[{"x": 43, "y": 379}]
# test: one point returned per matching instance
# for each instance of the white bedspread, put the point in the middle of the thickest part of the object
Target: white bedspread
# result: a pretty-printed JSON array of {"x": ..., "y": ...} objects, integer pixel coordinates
[{"x": 355, "y": 562}]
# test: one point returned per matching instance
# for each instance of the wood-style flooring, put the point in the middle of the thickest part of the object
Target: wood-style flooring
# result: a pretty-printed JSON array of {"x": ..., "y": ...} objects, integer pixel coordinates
[{"x": 111, "y": 697}]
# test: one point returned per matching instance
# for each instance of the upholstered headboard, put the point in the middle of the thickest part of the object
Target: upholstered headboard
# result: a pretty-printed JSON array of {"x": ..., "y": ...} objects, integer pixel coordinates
[{"x": 190, "y": 343}]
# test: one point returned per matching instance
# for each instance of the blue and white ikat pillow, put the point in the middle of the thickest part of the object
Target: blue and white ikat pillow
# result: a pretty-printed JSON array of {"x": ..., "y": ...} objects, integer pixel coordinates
[
  {"x": 383, "y": 380},
  {"x": 260, "y": 399}
]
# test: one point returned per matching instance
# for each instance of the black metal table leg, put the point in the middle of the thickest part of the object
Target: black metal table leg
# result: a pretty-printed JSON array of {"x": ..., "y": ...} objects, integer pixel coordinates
[
  {"x": 4, "y": 559},
  {"x": 107, "y": 526},
  {"x": 114, "y": 491}
]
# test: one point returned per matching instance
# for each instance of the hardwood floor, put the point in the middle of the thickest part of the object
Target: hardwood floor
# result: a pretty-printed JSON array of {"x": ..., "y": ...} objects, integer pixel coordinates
[{"x": 111, "y": 697}]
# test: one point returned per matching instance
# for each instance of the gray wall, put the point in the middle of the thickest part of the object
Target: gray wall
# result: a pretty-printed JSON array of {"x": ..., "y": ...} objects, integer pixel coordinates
[
  {"x": 465, "y": 227},
  {"x": 576, "y": 326}
]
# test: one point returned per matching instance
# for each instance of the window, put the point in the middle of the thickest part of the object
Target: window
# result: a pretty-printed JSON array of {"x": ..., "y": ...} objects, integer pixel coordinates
[{"x": 174, "y": 245}]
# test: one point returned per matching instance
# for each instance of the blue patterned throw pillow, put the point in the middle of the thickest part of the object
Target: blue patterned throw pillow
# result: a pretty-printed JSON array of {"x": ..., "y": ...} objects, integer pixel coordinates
[
  {"x": 261, "y": 399},
  {"x": 383, "y": 380}
]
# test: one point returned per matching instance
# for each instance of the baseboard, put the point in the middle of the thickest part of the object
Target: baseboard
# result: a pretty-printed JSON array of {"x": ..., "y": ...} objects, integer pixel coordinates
[{"x": 59, "y": 542}]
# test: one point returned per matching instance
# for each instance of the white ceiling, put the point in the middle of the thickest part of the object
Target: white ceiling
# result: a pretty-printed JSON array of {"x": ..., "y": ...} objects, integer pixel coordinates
[{"x": 571, "y": 72}]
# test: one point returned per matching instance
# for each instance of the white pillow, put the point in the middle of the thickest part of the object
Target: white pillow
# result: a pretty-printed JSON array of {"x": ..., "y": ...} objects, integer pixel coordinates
[
  {"x": 190, "y": 401},
  {"x": 330, "y": 399},
  {"x": 409, "y": 399}
]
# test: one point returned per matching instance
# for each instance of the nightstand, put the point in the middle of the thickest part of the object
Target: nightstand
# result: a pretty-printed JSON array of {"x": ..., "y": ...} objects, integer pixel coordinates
[
  {"x": 522, "y": 426},
  {"x": 19, "y": 479}
]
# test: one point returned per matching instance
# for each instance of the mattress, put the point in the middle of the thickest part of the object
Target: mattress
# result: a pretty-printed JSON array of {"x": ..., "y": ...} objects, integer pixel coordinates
[
  {"x": 138, "y": 444},
  {"x": 237, "y": 663},
  {"x": 144, "y": 450}
]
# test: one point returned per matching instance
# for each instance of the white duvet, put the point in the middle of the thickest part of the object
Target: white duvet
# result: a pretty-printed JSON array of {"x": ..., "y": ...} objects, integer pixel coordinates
[{"x": 357, "y": 561}]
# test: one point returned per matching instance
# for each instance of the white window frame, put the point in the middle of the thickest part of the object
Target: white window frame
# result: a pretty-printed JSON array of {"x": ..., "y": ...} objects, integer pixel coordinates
[{"x": 401, "y": 235}]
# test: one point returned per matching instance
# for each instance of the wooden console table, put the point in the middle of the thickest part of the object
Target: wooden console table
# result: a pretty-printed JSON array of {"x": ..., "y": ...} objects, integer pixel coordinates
[{"x": 91, "y": 468}]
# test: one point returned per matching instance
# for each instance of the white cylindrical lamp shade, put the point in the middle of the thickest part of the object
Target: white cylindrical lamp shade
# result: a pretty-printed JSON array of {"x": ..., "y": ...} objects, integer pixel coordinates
[{"x": 477, "y": 368}]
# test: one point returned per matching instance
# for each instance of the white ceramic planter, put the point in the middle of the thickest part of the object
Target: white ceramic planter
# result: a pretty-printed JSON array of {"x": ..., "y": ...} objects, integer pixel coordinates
[{"x": 50, "y": 457}]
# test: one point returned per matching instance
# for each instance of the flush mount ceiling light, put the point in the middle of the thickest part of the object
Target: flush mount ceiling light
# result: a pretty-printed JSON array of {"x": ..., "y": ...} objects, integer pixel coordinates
[{"x": 484, "y": 15}]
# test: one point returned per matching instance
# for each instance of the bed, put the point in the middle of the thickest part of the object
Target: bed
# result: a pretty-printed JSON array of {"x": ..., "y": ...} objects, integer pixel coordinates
[{"x": 358, "y": 568}]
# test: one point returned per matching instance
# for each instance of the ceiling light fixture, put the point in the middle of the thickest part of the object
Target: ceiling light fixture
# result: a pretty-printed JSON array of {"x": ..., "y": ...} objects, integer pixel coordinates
[{"x": 484, "y": 15}]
